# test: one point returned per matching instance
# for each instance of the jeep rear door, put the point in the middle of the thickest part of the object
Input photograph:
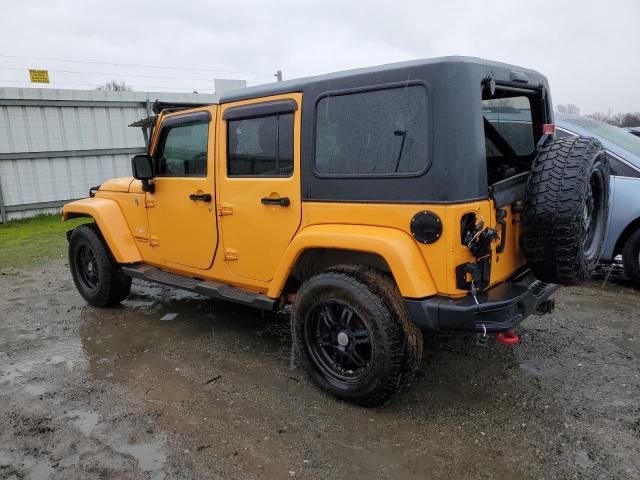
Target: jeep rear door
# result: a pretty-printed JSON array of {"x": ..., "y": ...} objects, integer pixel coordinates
[{"x": 259, "y": 182}]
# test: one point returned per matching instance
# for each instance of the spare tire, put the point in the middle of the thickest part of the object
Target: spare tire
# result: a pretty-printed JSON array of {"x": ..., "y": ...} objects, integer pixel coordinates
[{"x": 566, "y": 208}]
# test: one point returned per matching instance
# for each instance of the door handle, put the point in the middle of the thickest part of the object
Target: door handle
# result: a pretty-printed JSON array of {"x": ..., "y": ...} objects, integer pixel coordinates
[
  {"x": 200, "y": 197},
  {"x": 280, "y": 202}
]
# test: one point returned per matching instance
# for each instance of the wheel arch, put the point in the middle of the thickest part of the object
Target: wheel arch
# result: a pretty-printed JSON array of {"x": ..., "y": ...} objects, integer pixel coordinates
[
  {"x": 112, "y": 225},
  {"x": 319, "y": 247}
]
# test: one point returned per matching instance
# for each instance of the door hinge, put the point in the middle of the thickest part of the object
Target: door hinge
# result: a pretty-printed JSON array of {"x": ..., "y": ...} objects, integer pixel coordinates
[
  {"x": 154, "y": 241},
  {"x": 149, "y": 202},
  {"x": 230, "y": 254},
  {"x": 225, "y": 209}
]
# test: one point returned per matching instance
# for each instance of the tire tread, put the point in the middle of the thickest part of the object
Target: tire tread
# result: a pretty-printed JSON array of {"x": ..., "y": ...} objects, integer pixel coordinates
[{"x": 552, "y": 240}]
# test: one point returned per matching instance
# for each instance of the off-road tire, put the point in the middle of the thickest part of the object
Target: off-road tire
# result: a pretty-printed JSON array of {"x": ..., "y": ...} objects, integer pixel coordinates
[
  {"x": 631, "y": 258},
  {"x": 112, "y": 285},
  {"x": 397, "y": 341},
  {"x": 557, "y": 244}
]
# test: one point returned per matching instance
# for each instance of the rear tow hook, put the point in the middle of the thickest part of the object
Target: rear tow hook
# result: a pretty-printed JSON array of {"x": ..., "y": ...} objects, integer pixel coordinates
[{"x": 508, "y": 338}]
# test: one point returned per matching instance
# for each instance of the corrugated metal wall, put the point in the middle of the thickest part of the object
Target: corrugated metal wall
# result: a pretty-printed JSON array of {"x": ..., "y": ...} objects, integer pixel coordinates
[{"x": 56, "y": 144}]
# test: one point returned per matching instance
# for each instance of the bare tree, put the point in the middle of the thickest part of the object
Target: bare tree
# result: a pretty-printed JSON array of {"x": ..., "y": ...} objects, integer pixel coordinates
[
  {"x": 114, "y": 86},
  {"x": 568, "y": 108},
  {"x": 601, "y": 117},
  {"x": 629, "y": 119}
]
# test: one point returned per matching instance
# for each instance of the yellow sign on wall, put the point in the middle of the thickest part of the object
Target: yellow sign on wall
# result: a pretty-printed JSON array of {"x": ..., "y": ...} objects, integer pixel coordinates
[{"x": 39, "y": 76}]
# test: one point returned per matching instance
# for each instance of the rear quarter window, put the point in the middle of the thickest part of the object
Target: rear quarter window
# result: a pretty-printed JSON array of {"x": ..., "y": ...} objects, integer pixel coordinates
[{"x": 373, "y": 133}]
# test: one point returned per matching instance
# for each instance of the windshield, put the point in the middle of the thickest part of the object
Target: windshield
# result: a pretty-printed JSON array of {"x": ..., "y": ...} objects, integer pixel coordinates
[{"x": 616, "y": 135}]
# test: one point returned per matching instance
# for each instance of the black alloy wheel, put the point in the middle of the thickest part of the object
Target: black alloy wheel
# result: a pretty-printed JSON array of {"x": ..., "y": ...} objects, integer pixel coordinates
[
  {"x": 339, "y": 341},
  {"x": 86, "y": 266}
]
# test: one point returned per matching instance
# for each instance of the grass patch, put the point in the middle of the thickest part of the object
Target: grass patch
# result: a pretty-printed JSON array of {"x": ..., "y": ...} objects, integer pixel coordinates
[{"x": 28, "y": 242}]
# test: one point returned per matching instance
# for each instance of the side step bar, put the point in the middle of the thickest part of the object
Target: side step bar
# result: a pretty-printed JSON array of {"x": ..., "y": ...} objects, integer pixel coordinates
[{"x": 219, "y": 291}]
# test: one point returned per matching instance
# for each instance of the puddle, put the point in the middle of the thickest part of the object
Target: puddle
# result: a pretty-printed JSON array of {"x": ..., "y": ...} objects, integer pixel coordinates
[
  {"x": 66, "y": 352},
  {"x": 34, "y": 469},
  {"x": 41, "y": 471},
  {"x": 530, "y": 369},
  {"x": 84, "y": 420},
  {"x": 35, "y": 389},
  {"x": 135, "y": 303},
  {"x": 149, "y": 456}
]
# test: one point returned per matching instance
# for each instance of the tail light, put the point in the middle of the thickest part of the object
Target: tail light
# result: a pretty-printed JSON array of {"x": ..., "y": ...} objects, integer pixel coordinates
[{"x": 548, "y": 128}]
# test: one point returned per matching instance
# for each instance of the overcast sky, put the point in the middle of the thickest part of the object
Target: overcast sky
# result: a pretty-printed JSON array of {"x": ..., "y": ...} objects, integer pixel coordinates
[{"x": 589, "y": 50}]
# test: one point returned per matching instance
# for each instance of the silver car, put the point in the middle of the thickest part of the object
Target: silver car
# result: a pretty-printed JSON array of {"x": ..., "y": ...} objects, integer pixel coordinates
[
  {"x": 633, "y": 131},
  {"x": 623, "y": 150}
]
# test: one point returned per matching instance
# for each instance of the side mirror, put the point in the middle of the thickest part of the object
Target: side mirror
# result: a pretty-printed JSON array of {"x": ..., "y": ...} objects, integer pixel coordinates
[{"x": 142, "y": 169}]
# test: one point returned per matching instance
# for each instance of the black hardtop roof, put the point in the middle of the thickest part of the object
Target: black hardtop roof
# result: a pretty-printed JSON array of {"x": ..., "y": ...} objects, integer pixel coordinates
[{"x": 405, "y": 70}]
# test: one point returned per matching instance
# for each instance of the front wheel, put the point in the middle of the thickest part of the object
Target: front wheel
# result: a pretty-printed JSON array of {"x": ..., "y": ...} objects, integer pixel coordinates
[
  {"x": 354, "y": 336},
  {"x": 95, "y": 272},
  {"x": 631, "y": 258}
]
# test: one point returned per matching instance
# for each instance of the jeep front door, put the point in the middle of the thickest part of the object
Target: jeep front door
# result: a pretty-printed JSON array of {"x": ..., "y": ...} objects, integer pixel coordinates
[
  {"x": 181, "y": 210},
  {"x": 259, "y": 197}
]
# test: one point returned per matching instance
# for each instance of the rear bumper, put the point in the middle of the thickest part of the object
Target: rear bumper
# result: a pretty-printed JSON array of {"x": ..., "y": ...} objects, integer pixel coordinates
[{"x": 500, "y": 308}]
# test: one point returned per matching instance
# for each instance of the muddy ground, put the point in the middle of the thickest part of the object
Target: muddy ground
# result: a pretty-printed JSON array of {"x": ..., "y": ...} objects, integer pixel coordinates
[{"x": 212, "y": 393}]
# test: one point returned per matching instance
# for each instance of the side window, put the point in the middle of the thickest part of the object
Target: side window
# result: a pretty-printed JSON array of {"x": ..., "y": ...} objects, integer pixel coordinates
[
  {"x": 261, "y": 147},
  {"x": 621, "y": 169},
  {"x": 183, "y": 151},
  {"x": 373, "y": 133}
]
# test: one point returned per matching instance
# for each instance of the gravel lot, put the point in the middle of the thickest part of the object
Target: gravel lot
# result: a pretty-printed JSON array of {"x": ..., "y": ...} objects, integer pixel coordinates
[{"x": 213, "y": 393}]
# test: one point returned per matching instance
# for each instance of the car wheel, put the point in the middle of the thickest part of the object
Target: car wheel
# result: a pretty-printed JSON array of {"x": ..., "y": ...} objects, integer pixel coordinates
[
  {"x": 566, "y": 207},
  {"x": 95, "y": 272},
  {"x": 631, "y": 258},
  {"x": 354, "y": 336}
]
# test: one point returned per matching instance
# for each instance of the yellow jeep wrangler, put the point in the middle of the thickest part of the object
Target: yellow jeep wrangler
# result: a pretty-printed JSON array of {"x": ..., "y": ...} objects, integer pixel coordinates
[{"x": 372, "y": 204}]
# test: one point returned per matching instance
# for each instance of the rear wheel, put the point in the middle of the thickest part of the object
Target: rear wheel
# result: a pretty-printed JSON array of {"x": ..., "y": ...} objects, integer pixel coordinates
[
  {"x": 631, "y": 258},
  {"x": 354, "y": 336},
  {"x": 566, "y": 207},
  {"x": 95, "y": 272}
]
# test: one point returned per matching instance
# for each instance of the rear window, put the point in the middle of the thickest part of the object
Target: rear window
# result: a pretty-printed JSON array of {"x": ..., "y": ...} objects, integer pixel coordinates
[
  {"x": 373, "y": 133},
  {"x": 511, "y": 117}
]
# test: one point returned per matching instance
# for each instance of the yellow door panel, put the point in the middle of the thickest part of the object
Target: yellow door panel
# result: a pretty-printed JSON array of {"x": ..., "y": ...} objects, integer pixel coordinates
[
  {"x": 259, "y": 185},
  {"x": 181, "y": 210}
]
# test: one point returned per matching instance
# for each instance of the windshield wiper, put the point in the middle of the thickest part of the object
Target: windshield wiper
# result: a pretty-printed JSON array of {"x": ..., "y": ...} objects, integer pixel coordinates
[{"x": 403, "y": 134}]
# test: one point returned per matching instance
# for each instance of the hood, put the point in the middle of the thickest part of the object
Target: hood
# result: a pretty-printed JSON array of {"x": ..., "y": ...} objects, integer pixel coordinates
[{"x": 116, "y": 184}]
